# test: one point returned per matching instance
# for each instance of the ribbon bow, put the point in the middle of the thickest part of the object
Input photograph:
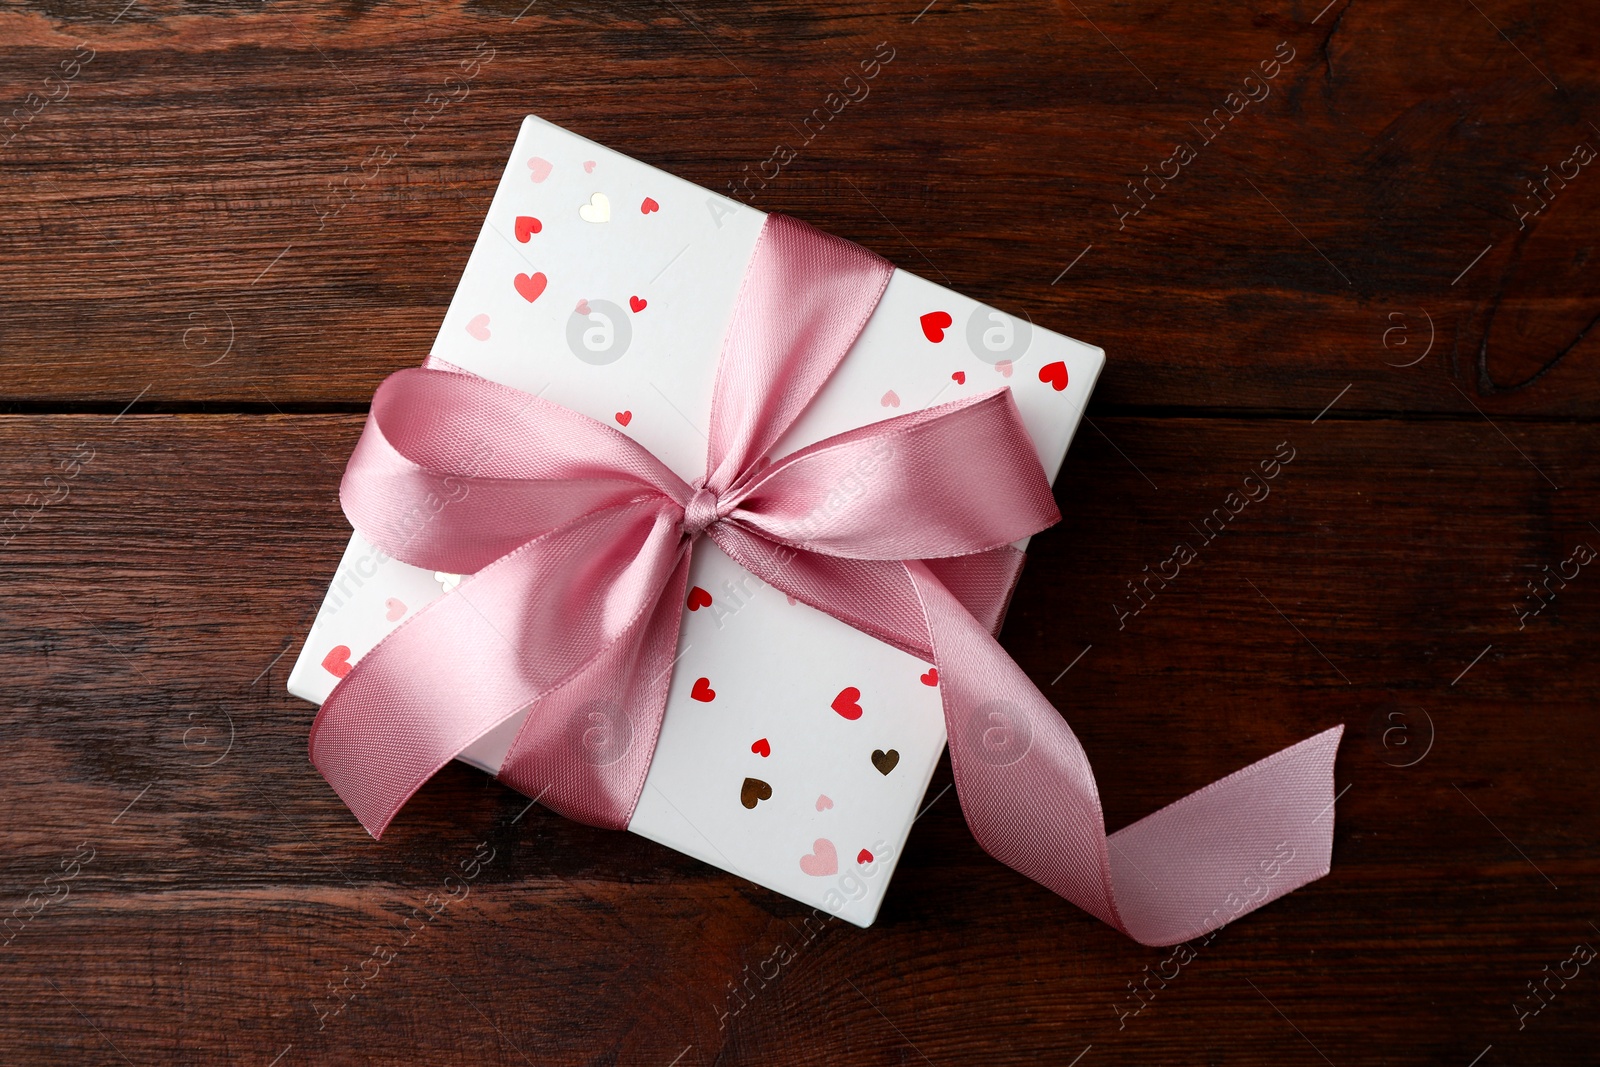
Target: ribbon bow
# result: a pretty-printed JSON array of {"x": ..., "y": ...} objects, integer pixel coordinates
[{"x": 578, "y": 542}]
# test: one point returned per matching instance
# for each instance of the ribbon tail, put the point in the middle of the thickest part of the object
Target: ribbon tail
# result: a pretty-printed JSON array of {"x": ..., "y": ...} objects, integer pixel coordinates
[
  {"x": 1030, "y": 798},
  {"x": 584, "y": 750}
]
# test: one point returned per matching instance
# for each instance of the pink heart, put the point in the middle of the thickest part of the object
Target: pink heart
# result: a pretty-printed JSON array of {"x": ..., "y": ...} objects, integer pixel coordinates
[
  {"x": 583, "y": 307},
  {"x": 823, "y": 803},
  {"x": 479, "y": 327},
  {"x": 588, "y": 166},
  {"x": 891, "y": 399},
  {"x": 822, "y": 861},
  {"x": 1004, "y": 367},
  {"x": 395, "y": 609},
  {"x": 539, "y": 168}
]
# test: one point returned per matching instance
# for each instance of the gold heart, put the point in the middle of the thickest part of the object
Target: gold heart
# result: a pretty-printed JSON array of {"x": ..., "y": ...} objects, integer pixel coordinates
[
  {"x": 754, "y": 791},
  {"x": 885, "y": 761},
  {"x": 598, "y": 209}
]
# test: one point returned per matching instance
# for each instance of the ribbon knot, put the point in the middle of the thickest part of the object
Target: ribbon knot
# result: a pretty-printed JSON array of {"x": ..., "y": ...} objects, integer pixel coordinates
[
  {"x": 700, "y": 512},
  {"x": 573, "y": 538}
]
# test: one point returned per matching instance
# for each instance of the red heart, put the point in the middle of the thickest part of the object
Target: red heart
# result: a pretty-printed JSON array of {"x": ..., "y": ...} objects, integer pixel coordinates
[
  {"x": 337, "y": 661},
  {"x": 959, "y": 377},
  {"x": 648, "y": 206},
  {"x": 933, "y": 324},
  {"x": 847, "y": 703},
  {"x": 761, "y": 748},
  {"x": 932, "y": 677},
  {"x": 527, "y": 226},
  {"x": 531, "y": 285},
  {"x": 699, "y": 598},
  {"x": 637, "y": 303},
  {"x": 863, "y": 857},
  {"x": 1055, "y": 374},
  {"x": 702, "y": 691},
  {"x": 624, "y": 417}
]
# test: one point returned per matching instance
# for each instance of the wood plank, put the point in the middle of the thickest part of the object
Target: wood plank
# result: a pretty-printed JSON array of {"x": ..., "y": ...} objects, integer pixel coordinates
[
  {"x": 231, "y": 207},
  {"x": 146, "y": 608}
]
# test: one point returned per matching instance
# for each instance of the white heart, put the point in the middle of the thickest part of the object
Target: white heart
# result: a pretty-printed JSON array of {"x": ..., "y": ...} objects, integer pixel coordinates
[{"x": 598, "y": 209}]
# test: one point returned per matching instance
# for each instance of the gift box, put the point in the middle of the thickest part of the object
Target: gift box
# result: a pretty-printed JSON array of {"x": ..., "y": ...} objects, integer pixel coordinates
[{"x": 795, "y": 750}]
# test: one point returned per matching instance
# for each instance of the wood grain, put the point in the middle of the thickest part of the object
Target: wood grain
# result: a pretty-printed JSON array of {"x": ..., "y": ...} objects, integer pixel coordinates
[{"x": 204, "y": 272}]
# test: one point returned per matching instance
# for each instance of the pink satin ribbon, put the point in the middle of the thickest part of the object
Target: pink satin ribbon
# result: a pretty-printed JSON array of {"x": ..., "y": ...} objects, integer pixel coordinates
[{"x": 578, "y": 541}]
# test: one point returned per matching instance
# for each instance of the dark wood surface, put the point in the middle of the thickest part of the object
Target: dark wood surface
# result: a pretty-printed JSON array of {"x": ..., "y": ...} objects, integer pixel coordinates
[{"x": 230, "y": 223}]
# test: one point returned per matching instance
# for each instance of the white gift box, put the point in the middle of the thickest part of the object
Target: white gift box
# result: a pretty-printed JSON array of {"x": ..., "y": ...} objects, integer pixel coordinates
[{"x": 605, "y": 285}]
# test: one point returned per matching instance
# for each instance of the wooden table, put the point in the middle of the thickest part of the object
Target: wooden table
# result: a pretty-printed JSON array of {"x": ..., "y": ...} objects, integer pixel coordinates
[{"x": 225, "y": 223}]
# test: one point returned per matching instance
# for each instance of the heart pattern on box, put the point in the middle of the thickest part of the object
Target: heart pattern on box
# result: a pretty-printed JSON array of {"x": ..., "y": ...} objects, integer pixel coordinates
[
  {"x": 598, "y": 209},
  {"x": 823, "y": 859},
  {"x": 637, "y": 303},
  {"x": 847, "y": 703},
  {"x": 649, "y": 205},
  {"x": 530, "y": 286},
  {"x": 934, "y": 323},
  {"x": 863, "y": 857},
  {"x": 891, "y": 399},
  {"x": 1054, "y": 375},
  {"x": 931, "y": 678},
  {"x": 885, "y": 761},
  {"x": 478, "y": 327},
  {"x": 526, "y": 227},
  {"x": 623, "y": 417},
  {"x": 337, "y": 661},
  {"x": 753, "y": 792},
  {"x": 539, "y": 169},
  {"x": 588, "y": 166},
  {"x": 702, "y": 691},
  {"x": 762, "y": 748},
  {"x": 824, "y": 802},
  {"x": 394, "y": 610},
  {"x": 699, "y": 598},
  {"x": 959, "y": 377}
]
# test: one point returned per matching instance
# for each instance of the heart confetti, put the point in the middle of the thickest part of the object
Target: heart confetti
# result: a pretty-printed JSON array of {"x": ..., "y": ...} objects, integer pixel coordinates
[
  {"x": 393, "y": 609},
  {"x": 822, "y": 861},
  {"x": 753, "y": 792},
  {"x": 933, "y": 325},
  {"x": 863, "y": 857},
  {"x": 824, "y": 802},
  {"x": 588, "y": 166},
  {"x": 885, "y": 761},
  {"x": 530, "y": 285},
  {"x": 1004, "y": 367},
  {"x": 598, "y": 209},
  {"x": 847, "y": 703},
  {"x": 702, "y": 691},
  {"x": 539, "y": 169},
  {"x": 891, "y": 399},
  {"x": 649, "y": 205},
  {"x": 527, "y": 226},
  {"x": 1054, "y": 374},
  {"x": 762, "y": 748},
  {"x": 959, "y": 377},
  {"x": 699, "y": 598},
  {"x": 638, "y": 303},
  {"x": 931, "y": 678},
  {"x": 623, "y": 417},
  {"x": 478, "y": 327},
  {"x": 337, "y": 661}
]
